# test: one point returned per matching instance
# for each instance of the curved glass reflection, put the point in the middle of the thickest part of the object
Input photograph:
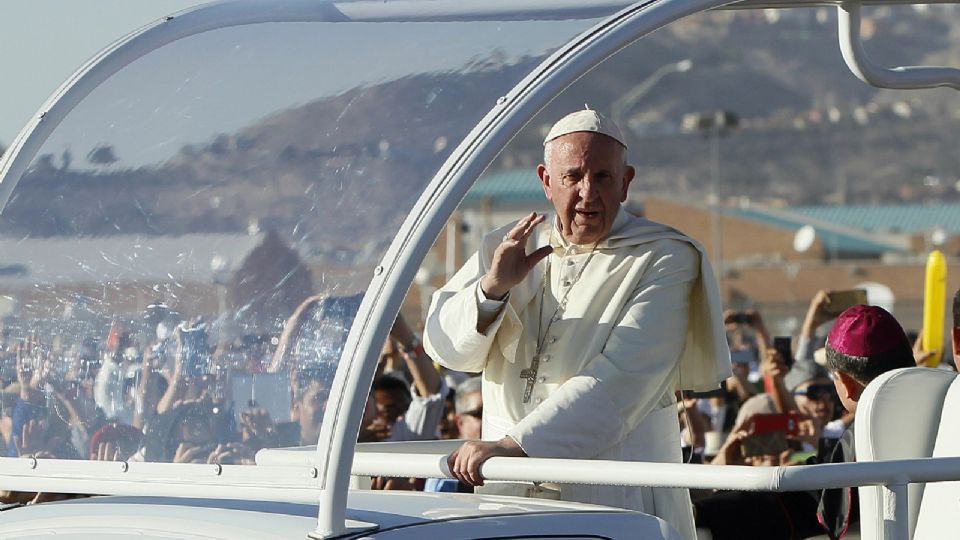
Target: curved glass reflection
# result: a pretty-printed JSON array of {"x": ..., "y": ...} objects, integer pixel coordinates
[{"x": 182, "y": 262}]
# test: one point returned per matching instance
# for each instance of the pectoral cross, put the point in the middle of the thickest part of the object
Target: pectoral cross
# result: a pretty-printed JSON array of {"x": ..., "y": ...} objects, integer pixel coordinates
[{"x": 530, "y": 374}]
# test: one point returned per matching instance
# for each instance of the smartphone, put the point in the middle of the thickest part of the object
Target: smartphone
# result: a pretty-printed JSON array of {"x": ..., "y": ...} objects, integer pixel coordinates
[
  {"x": 786, "y": 423},
  {"x": 841, "y": 300},
  {"x": 784, "y": 346},
  {"x": 194, "y": 341},
  {"x": 769, "y": 435}
]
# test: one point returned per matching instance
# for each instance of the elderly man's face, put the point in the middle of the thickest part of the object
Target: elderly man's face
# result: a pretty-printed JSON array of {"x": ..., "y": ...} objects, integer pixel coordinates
[{"x": 586, "y": 179}]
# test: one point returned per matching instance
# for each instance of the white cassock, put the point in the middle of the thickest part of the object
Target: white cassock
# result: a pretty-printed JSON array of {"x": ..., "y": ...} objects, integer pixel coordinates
[{"x": 642, "y": 320}]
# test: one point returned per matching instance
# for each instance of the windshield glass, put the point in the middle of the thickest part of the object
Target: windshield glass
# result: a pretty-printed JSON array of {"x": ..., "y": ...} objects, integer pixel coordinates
[{"x": 182, "y": 262}]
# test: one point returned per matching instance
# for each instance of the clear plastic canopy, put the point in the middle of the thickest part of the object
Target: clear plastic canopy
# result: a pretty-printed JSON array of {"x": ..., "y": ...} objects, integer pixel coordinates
[{"x": 183, "y": 259}]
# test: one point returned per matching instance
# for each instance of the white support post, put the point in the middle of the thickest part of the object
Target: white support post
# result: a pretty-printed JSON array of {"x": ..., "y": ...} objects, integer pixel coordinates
[{"x": 896, "y": 519}]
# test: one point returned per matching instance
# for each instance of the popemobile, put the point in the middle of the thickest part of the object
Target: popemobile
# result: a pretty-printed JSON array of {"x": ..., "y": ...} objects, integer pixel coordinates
[{"x": 245, "y": 161}]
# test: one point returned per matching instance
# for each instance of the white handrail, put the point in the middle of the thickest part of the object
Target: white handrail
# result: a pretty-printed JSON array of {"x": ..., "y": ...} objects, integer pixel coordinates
[
  {"x": 892, "y": 475},
  {"x": 242, "y": 482},
  {"x": 282, "y": 482},
  {"x": 93, "y": 476},
  {"x": 734, "y": 477},
  {"x": 96, "y": 476}
]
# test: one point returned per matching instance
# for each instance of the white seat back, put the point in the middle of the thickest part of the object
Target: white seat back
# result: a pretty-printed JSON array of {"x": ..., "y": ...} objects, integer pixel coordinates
[
  {"x": 899, "y": 417},
  {"x": 940, "y": 507}
]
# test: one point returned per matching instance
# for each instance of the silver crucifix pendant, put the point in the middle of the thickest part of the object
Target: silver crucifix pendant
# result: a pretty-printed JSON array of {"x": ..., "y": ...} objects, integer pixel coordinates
[{"x": 530, "y": 375}]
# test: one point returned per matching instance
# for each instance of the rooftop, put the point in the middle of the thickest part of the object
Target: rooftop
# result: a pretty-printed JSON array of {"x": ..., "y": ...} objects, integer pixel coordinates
[
  {"x": 508, "y": 186},
  {"x": 905, "y": 218}
]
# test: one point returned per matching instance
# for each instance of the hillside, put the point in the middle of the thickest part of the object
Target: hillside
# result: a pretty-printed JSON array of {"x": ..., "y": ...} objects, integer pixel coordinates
[{"x": 783, "y": 77}]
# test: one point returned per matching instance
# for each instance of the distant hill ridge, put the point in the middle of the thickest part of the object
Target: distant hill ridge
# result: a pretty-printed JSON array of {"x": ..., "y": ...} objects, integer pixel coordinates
[{"x": 781, "y": 78}]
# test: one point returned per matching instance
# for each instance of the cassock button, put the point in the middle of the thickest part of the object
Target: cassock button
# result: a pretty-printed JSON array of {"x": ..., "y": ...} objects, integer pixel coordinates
[
  {"x": 553, "y": 339},
  {"x": 542, "y": 379},
  {"x": 539, "y": 400},
  {"x": 545, "y": 358},
  {"x": 570, "y": 263},
  {"x": 566, "y": 283},
  {"x": 557, "y": 317}
]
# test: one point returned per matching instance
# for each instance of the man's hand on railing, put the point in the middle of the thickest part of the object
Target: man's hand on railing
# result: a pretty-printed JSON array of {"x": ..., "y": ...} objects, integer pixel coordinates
[{"x": 465, "y": 462}]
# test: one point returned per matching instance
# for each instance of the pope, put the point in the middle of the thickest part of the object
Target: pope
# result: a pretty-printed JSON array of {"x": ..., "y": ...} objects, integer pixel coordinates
[{"x": 583, "y": 327}]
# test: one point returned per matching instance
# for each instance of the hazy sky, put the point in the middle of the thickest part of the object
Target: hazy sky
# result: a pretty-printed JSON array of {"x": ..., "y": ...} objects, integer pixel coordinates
[
  {"x": 218, "y": 82},
  {"x": 42, "y": 42}
]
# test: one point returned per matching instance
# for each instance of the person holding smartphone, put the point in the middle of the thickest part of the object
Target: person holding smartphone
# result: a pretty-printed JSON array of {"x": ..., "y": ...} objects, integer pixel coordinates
[
  {"x": 190, "y": 361},
  {"x": 824, "y": 307}
]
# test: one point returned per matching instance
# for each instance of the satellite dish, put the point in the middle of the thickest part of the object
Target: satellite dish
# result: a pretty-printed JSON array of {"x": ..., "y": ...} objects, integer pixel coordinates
[
  {"x": 804, "y": 238},
  {"x": 878, "y": 294}
]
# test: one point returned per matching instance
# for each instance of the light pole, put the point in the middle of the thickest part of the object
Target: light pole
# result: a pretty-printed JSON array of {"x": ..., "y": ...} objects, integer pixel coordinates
[
  {"x": 220, "y": 269},
  {"x": 713, "y": 126},
  {"x": 625, "y": 103}
]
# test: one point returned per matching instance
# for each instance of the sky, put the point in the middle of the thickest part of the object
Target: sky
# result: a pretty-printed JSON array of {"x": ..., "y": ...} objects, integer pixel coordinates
[
  {"x": 189, "y": 91},
  {"x": 42, "y": 42}
]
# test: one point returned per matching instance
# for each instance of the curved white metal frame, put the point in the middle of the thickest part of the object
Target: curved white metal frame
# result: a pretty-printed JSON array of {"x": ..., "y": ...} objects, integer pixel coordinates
[
  {"x": 393, "y": 277},
  {"x": 437, "y": 203},
  {"x": 898, "y": 78}
]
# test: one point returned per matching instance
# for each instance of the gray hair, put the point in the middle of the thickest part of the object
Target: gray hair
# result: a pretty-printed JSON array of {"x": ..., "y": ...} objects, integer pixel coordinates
[{"x": 470, "y": 386}]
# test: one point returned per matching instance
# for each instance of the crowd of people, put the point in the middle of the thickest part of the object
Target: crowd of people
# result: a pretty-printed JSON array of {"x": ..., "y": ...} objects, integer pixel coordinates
[
  {"x": 165, "y": 389},
  {"x": 169, "y": 393},
  {"x": 792, "y": 409},
  {"x": 117, "y": 397},
  {"x": 599, "y": 335},
  {"x": 157, "y": 392}
]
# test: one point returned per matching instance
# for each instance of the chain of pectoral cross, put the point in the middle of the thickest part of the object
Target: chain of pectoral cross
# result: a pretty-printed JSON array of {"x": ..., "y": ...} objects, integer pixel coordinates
[{"x": 530, "y": 374}]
